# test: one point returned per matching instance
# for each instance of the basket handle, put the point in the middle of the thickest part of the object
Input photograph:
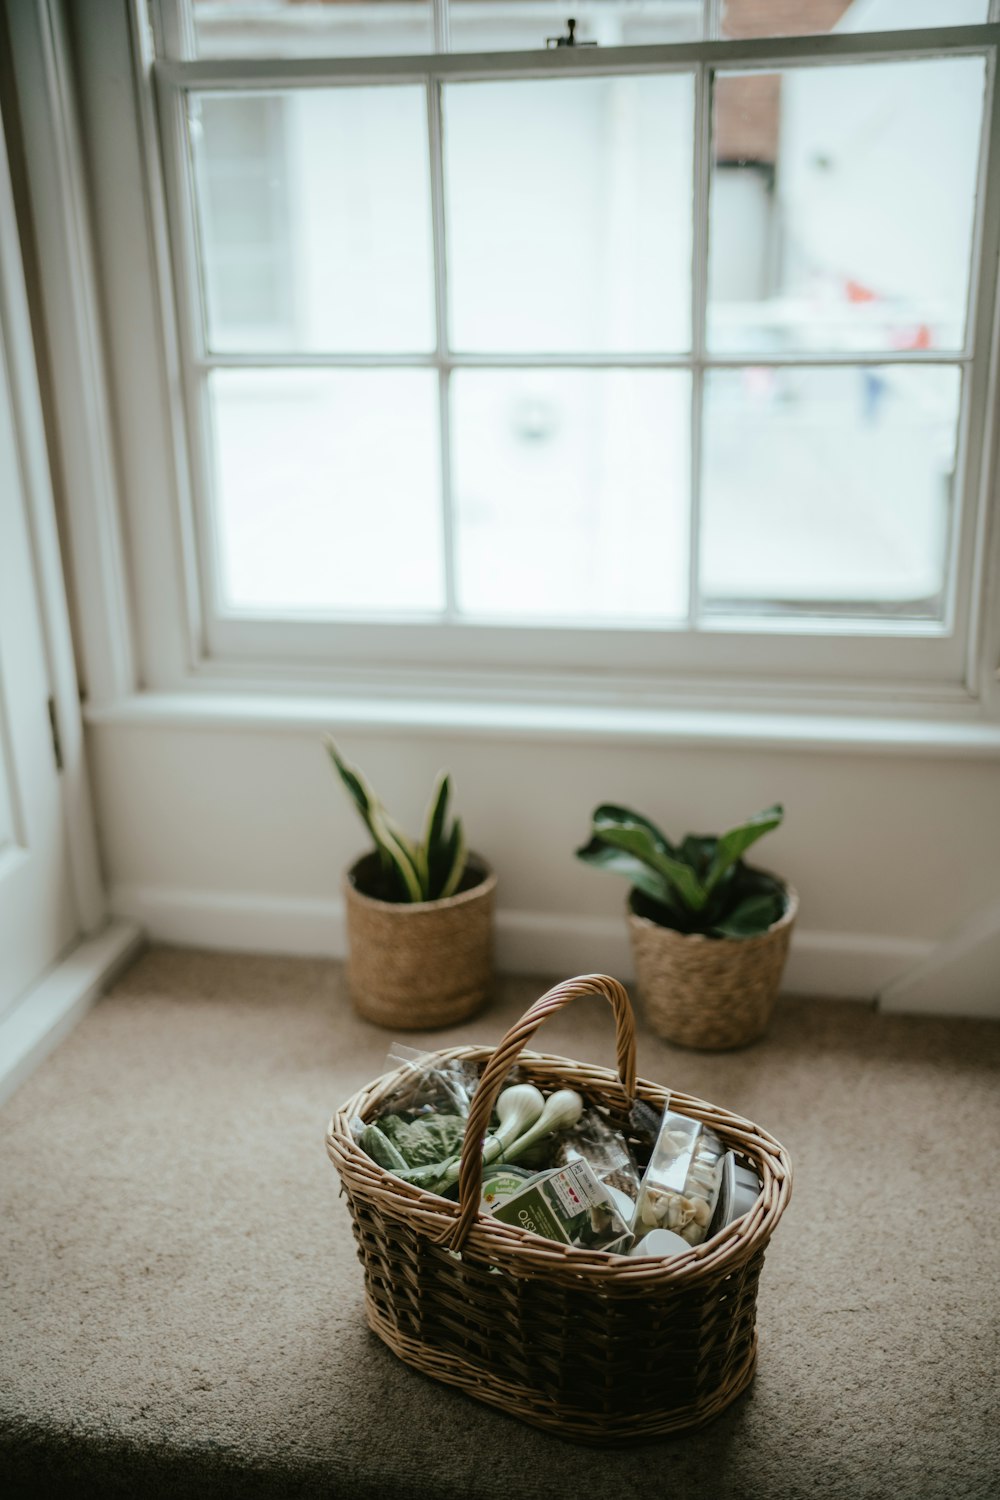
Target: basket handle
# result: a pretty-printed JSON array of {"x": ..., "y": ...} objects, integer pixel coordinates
[{"x": 471, "y": 1171}]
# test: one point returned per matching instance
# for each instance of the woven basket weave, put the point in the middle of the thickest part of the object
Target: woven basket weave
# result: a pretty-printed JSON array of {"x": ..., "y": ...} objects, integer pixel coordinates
[
  {"x": 599, "y": 1348},
  {"x": 417, "y": 965},
  {"x": 709, "y": 992}
]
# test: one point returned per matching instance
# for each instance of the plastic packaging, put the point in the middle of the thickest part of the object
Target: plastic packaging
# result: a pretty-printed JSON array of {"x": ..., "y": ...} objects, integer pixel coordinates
[
  {"x": 430, "y": 1085},
  {"x": 660, "y": 1242},
  {"x": 681, "y": 1185},
  {"x": 738, "y": 1192},
  {"x": 604, "y": 1149},
  {"x": 570, "y": 1205}
]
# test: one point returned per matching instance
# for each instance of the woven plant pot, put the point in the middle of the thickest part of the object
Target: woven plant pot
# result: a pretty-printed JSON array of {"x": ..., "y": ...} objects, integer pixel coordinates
[
  {"x": 709, "y": 992},
  {"x": 413, "y": 966},
  {"x": 598, "y": 1348}
]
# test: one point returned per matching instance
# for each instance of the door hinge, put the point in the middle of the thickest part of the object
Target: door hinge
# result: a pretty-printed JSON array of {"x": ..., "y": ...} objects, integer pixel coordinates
[{"x": 54, "y": 726}]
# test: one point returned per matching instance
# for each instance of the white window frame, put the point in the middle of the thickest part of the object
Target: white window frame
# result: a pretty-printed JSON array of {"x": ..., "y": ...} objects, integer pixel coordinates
[
  {"x": 804, "y": 681},
  {"x": 866, "y": 649}
]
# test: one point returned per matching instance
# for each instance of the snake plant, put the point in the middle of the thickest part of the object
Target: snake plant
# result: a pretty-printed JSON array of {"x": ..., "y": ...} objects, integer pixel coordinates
[
  {"x": 428, "y": 870},
  {"x": 700, "y": 885}
]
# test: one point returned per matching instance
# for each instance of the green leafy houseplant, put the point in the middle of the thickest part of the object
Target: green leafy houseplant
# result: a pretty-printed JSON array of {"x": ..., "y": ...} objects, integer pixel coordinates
[
  {"x": 428, "y": 870},
  {"x": 701, "y": 885}
]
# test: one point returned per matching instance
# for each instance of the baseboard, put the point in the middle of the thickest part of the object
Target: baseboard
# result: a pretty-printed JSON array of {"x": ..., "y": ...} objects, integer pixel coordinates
[
  {"x": 848, "y": 965},
  {"x": 51, "y": 1008}
]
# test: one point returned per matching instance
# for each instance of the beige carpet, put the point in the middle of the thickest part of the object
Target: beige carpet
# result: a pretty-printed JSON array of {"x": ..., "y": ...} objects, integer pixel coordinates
[{"x": 181, "y": 1307}]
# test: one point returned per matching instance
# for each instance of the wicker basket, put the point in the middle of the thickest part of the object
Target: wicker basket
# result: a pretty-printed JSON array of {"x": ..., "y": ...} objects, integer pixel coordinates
[
  {"x": 421, "y": 964},
  {"x": 709, "y": 992},
  {"x": 599, "y": 1348}
]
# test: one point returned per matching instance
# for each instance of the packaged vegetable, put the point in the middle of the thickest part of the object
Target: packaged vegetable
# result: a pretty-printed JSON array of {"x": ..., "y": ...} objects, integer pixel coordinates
[
  {"x": 681, "y": 1184},
  {"x": 500, "y": 1183},
  {"x": 570, "y": 1205},
  {"x": 605, "y": 1150},
  {"x": 430, "y": 1084}
]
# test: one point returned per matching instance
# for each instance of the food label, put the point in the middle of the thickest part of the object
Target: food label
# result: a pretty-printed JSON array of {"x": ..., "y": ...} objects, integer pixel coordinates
[{"x": 570, "y": 1205}]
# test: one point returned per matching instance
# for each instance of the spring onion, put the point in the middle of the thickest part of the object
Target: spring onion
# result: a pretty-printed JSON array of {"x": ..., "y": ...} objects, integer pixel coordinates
[
  {"x": 562, "y": 1109},
  {"x": 517, "y": 1110}
]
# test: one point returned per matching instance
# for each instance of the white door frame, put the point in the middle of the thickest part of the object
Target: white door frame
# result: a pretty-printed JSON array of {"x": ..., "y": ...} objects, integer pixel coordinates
[{"x": 47, "y": 1011}]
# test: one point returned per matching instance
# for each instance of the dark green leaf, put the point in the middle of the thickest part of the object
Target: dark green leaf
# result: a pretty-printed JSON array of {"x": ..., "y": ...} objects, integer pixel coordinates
[
  {"x": 437, "y": 813},
  {"x": 697, "y": 850},
  {"x": 604, "y": 857},
  {"x": 361, "y": 794},
  {"x": 636, "y": 839},
  {"x": 457, "y": 853},
  {"x": 733, "y": 845},
  {"x": 752, "y": 915},
  {"x": 399, "y": 852},
  {"x": 609, "y": 813},
  {"x": 666, "y": 913}
]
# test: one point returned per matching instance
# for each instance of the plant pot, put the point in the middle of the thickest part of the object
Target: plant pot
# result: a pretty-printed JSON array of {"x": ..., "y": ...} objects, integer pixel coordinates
[
  {"x": 413, "y": 966},
  {"x": 709, "y": 992}
]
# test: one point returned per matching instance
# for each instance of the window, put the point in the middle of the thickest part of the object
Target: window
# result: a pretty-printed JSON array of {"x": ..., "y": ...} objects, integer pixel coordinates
[{"x": 668, "y": 354}]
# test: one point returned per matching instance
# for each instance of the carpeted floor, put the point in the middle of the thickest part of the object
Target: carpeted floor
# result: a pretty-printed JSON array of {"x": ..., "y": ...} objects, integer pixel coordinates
[{"x": 181, "y": 1306}]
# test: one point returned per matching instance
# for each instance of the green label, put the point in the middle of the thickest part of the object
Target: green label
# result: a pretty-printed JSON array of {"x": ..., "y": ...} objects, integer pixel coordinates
[{"x": 530, "y": 1211}]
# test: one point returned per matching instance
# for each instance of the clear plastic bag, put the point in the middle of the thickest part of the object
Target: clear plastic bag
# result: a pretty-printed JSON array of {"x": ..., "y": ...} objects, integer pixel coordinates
[
  {"x": 430, "y": 1085},
  {"x": 420, "y": 1124},
  {"x": 680, "y": 1187},
  {"x": 605, "y": 1150}
]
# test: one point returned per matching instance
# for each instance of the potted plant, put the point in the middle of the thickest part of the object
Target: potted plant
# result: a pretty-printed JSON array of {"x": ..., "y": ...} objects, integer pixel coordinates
[
  {"x": 419, "y": 915},
  {"x": 709, "y": 932}
]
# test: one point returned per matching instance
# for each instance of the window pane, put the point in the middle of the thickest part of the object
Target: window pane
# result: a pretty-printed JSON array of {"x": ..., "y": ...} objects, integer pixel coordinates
[
  {"x": 498, "y": 25},
  {"x": 742, "y": 18},
  {"x": 829, "y": 486},
  {"x": 569, "y": 214},
  {"x": 842, "y": 206},
  {"x": 311, "y": 28},
  {"x": 571, "y": 493},
  {"x": 314, "y": 212},
  {"x": 327, "y": 489}
]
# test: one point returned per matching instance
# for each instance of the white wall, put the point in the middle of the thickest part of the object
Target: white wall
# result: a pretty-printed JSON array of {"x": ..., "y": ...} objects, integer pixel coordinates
[{"x": 238, "y": 838}]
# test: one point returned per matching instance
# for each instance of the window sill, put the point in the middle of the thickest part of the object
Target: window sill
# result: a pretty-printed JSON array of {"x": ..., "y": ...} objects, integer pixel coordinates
[{"x": 554, "y": 722}]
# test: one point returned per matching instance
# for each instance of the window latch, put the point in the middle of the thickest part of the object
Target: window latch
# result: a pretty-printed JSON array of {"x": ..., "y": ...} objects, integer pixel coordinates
[{"x": 569, "y": 40}]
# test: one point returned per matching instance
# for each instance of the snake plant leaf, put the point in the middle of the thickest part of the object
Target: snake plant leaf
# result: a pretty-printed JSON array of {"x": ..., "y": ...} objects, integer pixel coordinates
[
  {"x": 364, "y": 799},
  {"x": 604, "y": 857},
  {"x": 636, "y": 839},
  {"x": 457, "y": 856},
  {"x": 753, "y": 915},
  {"x": 437, "y": 814},
  {"x": 609, "y": 814},
  {"x": 361, "y": 794},
  {"x": 400, "y": 854},
  {"x": 733, "y": 845}
]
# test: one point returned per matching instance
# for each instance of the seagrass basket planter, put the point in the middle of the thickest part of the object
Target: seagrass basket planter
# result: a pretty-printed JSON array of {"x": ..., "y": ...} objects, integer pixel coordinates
[
  {"x": 418, "y": 965},
  {"x": 710, "y": 993},
  {"x": 601, "y": 1349}
]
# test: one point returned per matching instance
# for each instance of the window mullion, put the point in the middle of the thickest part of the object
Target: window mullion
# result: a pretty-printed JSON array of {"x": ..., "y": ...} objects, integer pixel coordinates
[
  {"x": 435, "y": 139},
  {"x": 699, "y": 300},
  {"x": 173, "y": 29},
  {"x": 442, "y": 39}
]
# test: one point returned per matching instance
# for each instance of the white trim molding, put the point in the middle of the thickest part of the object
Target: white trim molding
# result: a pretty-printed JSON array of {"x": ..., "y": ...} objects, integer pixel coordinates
[
  {"x": 542, "y": 721},
  {"x": 85, "y": 461},
  {"x": 836, "y": 965},
  {"x": 960, "y": 976},
  {"x": 51, "y": 1008},
  {"x": 30, "y": 438}
]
